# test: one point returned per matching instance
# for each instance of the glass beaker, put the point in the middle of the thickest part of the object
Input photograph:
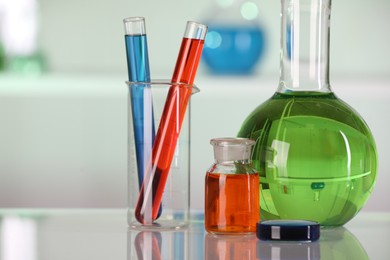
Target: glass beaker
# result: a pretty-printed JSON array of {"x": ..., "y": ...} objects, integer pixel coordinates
[
  {"x": 316, "y": 156},
  {"x": 231, "y": 188},
  {"x": 149, "y": 110}
]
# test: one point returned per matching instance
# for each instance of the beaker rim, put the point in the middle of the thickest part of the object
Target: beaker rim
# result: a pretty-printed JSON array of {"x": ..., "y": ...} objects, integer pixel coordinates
[{"x": 164, "y": 82}]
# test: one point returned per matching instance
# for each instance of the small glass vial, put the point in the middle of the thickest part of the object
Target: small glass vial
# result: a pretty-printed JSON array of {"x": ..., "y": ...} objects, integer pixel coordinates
[{"x": 232, "y": 188}]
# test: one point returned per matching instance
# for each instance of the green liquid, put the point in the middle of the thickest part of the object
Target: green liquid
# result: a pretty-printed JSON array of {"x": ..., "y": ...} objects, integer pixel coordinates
[{"x": 316, "y": 158}]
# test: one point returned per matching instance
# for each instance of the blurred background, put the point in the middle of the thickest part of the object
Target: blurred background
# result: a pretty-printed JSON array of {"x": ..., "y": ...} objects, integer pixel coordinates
[{"x": 63, "y": 100}]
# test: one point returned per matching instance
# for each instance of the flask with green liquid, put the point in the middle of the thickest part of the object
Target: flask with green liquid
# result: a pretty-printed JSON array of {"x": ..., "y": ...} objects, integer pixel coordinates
[{"x": 316, "y": 156}]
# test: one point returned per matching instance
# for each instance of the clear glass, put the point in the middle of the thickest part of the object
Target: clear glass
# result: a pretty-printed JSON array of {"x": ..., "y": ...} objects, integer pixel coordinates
[
  {"x": 195, "y": 30},
  {"x": 315, "y": 154},
  {"x": 174, "y": 191},
  {"x": 190, "y": 52},
  {"x": 134, "y": 26},
  {"x": 304, "y": 60},
  {"x": 136, "y": 49},
  {"x": 231, "y": 188}
]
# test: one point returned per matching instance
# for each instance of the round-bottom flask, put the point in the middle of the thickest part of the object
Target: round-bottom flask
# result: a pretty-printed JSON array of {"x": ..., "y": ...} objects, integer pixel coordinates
[{"x": 316, "y": 156}]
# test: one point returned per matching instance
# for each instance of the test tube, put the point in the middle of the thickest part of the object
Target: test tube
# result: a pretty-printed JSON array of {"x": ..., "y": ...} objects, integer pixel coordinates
[
  {"x": 141, "y": 98},
  {"x": 152, "y": 189}
]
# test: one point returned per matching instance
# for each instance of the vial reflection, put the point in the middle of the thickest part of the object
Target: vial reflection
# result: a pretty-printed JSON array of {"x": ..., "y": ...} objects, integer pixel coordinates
[{"x": 221, "y": 247}]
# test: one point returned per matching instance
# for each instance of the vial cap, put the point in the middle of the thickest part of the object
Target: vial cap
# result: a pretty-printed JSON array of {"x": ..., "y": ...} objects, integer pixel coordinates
[
  {"x": 290, "y": 230},
  {"x": 232, "y": 149}
]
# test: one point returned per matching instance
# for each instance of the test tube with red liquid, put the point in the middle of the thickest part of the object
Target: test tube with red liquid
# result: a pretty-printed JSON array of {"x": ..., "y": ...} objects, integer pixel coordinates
[{"x": 164, "y": 146}]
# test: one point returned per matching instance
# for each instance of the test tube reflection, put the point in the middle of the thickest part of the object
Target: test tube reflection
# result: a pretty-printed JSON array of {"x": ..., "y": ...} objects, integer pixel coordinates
[
  {"x": 155, "y": 245},
  {"x": 148, "y": 245}
]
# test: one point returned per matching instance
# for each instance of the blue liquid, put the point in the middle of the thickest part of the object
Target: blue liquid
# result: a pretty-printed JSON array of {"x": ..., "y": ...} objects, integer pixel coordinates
[
  {"x": 138, "y": 70},
  {"x": 137, "y": 58},
  {"x": 233, "y": 50}
]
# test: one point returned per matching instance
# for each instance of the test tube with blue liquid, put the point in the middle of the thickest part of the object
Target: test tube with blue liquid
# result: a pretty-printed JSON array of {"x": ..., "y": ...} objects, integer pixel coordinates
[{"x": 141, "y": 96}]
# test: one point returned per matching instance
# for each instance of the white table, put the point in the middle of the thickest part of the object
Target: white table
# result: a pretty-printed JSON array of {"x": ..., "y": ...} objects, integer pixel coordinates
[{"x": 32, "y": 234}]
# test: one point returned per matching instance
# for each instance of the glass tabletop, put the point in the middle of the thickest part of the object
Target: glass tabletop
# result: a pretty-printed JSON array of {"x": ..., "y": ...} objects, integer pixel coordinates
[{"x": 32, "y": 234}]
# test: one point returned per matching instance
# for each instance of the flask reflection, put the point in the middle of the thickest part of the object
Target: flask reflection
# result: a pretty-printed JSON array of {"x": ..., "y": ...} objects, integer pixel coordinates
[{"x": 335, "y": 243}]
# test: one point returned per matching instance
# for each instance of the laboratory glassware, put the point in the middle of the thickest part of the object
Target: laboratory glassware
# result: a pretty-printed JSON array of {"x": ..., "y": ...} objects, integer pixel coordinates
[
  {"x": 138, "y": 71},
  {"x": 170, "y": 124},
  {"x": 19, "y": 32},
  {"x": 236, "y": 39},
  {"x": 315, "y": 154},
  {"x": 231, "y": 188},
  {"x": 175, "y": 198}
]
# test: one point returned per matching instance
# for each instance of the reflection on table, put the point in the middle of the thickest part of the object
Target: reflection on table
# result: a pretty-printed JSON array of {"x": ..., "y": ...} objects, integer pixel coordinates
[
  {"x": 104, "y": 234},
  {"x": 195, "y": 243}
]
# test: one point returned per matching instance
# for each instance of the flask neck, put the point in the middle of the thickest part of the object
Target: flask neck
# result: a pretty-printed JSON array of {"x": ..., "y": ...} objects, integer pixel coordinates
[{"x": 304, "y": 56}]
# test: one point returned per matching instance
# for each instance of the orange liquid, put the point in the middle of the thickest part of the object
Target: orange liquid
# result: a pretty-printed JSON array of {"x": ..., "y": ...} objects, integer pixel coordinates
[{"x": 231, "y": 203}]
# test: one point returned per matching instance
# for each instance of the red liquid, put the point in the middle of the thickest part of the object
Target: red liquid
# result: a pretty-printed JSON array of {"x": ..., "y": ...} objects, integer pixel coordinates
[
  {"x": 188, "y": 61},
  {"x": 169, "y": 128},
  {"x": 231, "y": 203}
]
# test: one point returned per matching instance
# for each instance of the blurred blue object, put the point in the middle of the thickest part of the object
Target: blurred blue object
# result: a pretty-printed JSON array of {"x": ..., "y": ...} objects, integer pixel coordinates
[{"x": 233, "y": 49}]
